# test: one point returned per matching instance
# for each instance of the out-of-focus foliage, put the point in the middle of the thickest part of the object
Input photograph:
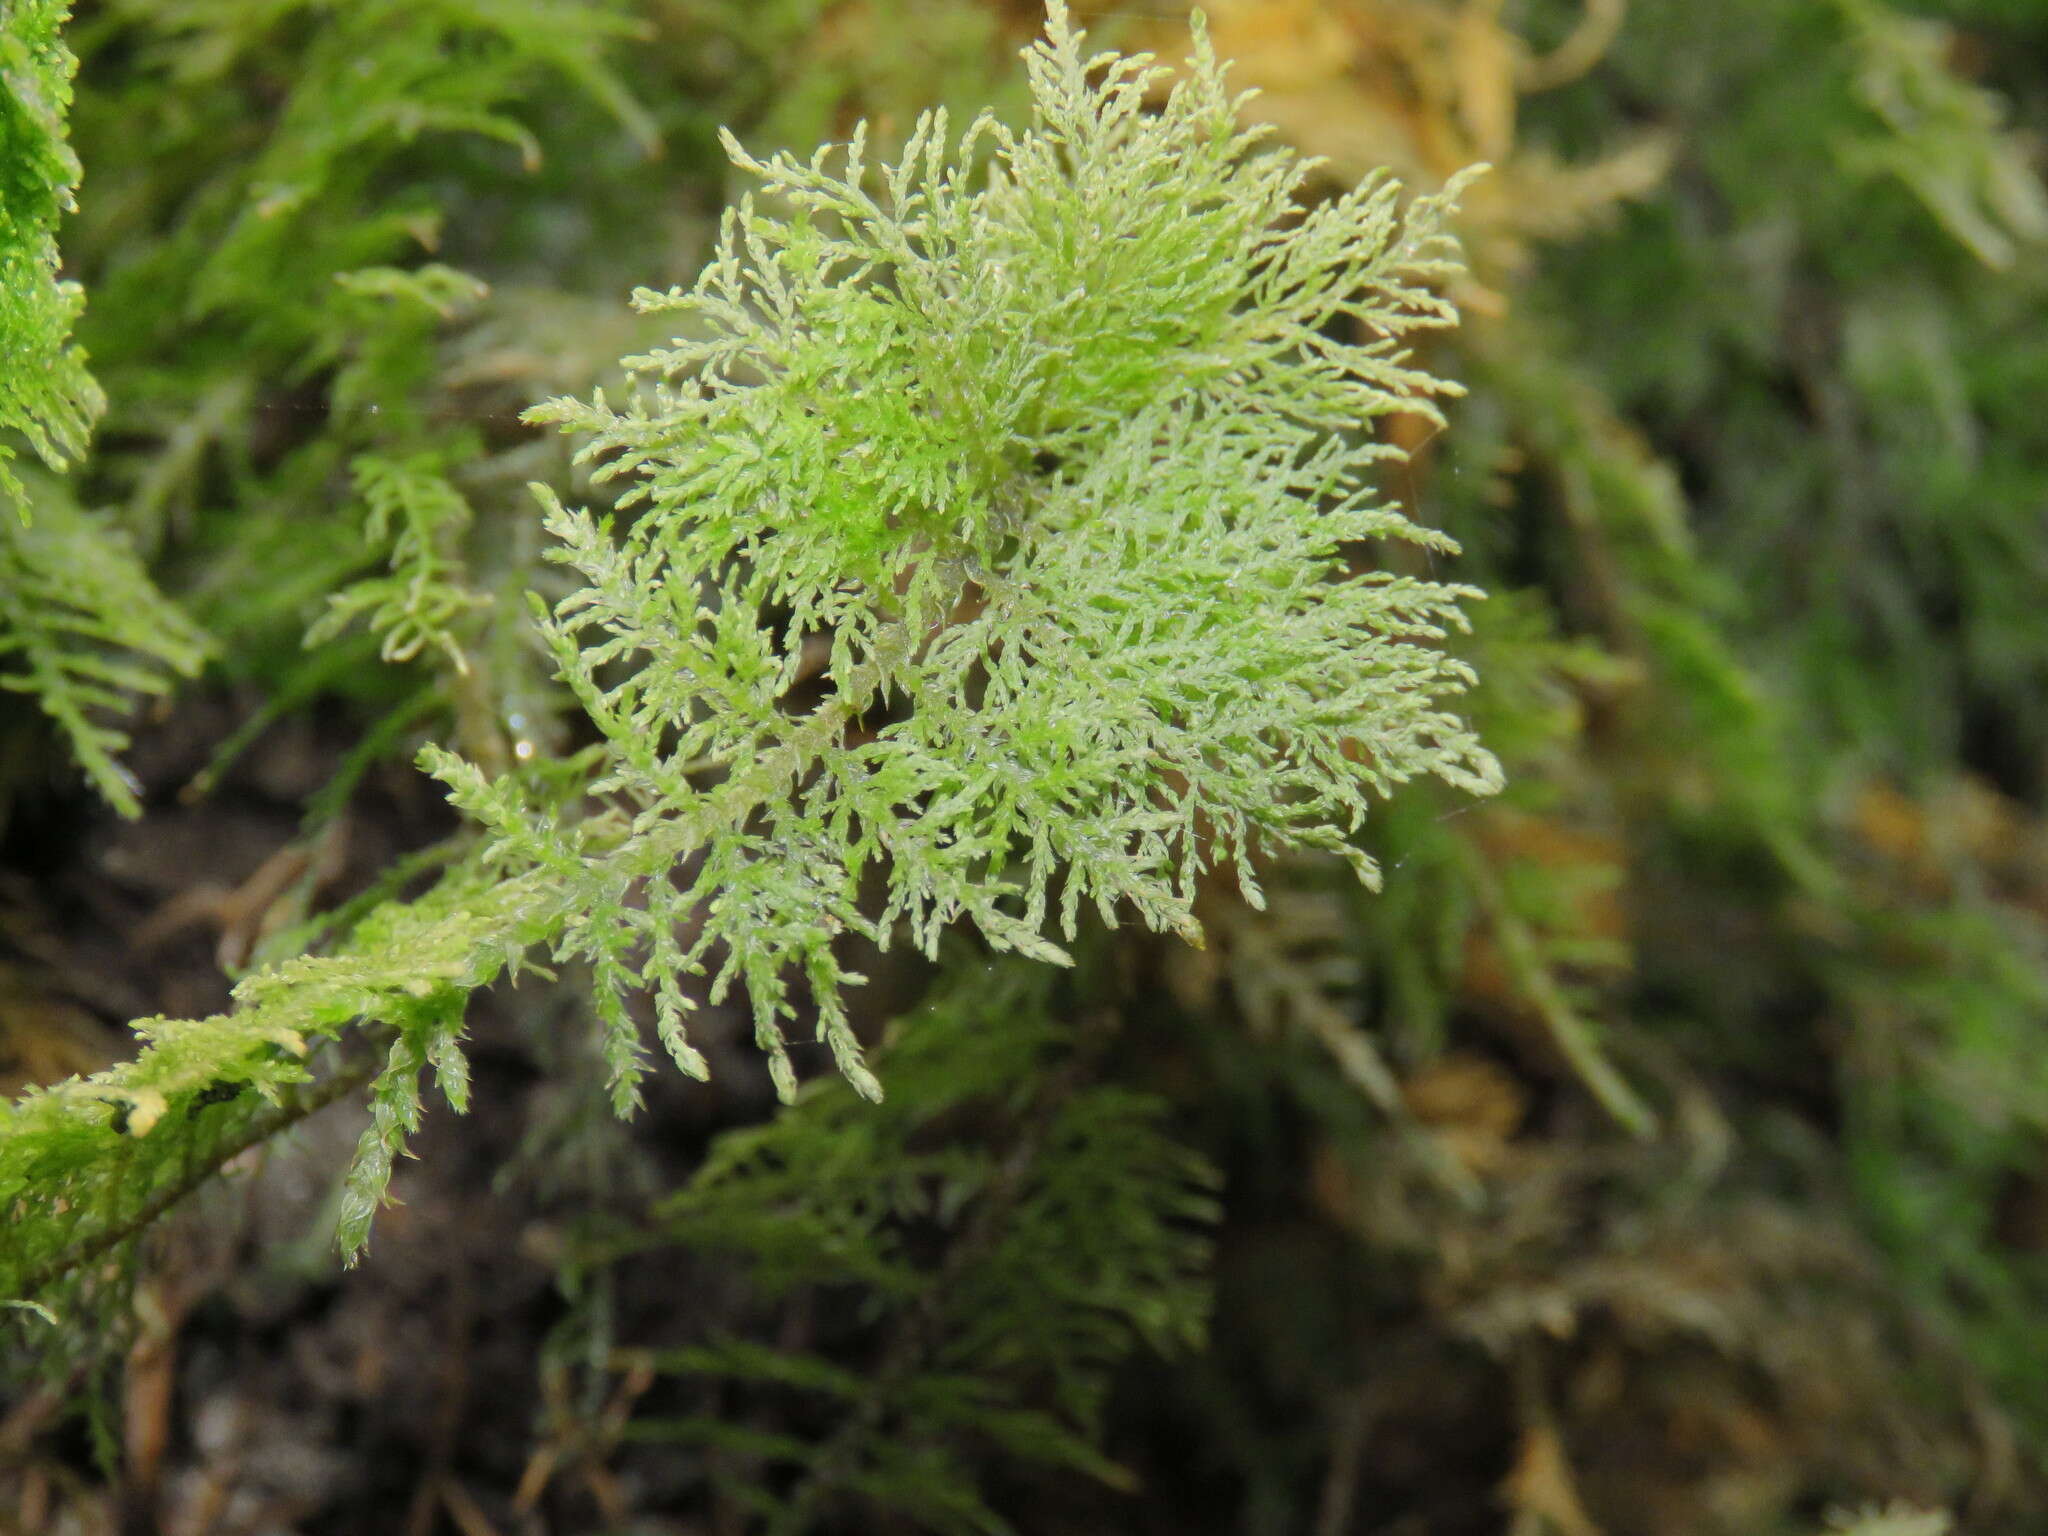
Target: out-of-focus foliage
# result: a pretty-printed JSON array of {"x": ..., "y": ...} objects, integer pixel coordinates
[
  {"x": 83, "y": 630},
  {"x": 1008, "y": 1270},
  {"x": 1750, "y": 433}
]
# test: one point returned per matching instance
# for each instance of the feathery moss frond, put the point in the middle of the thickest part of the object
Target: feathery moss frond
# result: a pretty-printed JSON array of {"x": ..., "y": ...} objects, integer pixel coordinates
[
  {"x": 46, "y": 394},
  {"x": 84, "y": 631},
  {"x": 1050, "y": 453},
  {"x": 1043, "y": 462}
]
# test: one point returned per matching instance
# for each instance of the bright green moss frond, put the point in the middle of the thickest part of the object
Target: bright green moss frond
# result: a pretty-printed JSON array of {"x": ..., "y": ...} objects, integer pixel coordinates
[
  {"x": 1001, "y": 548},
  {"x": 1047, "y": 455},
  {"x": 45, "y": 392}
]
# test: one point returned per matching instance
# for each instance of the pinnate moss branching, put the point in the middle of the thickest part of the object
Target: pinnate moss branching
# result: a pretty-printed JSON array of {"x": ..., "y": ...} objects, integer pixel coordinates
[
  {"x": 997, "y": 539},
  {"x": 1000, "y": 528}
]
